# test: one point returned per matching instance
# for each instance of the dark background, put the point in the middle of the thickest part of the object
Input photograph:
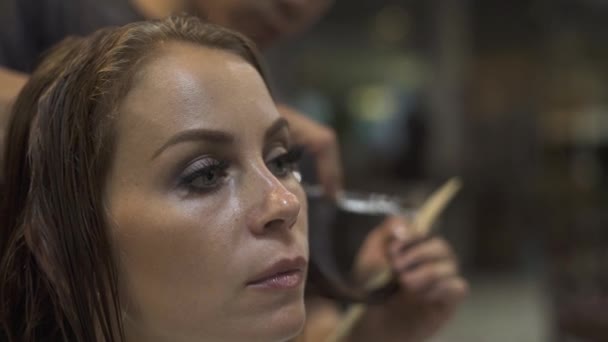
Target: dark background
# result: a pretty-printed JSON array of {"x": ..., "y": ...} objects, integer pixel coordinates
[{"x": 508, "y": 95}]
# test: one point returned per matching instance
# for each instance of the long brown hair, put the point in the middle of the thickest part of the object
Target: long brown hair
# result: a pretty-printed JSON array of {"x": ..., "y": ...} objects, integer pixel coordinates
[{"x": 58, "y": 277}]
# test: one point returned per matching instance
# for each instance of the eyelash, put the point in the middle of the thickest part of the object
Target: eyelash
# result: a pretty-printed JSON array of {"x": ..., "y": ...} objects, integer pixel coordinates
[
  {"x": 202, "y": 168},
  {"x": 211, "y": 166},
  {"x": 291, "y": 159}
]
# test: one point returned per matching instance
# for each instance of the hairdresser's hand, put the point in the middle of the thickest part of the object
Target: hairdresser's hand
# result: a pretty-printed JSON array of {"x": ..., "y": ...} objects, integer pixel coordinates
[
  {"x": 431, "y": 286},
  {"x": 321, "y": 142}
]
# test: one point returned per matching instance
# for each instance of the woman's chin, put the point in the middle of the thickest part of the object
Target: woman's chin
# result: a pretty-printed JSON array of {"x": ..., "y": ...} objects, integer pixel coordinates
[{"x": 284, "y": 324}]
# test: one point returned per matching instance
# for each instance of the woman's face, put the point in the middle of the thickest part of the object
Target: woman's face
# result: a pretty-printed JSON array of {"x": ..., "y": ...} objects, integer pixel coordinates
[{"x": 208, "y": 221}]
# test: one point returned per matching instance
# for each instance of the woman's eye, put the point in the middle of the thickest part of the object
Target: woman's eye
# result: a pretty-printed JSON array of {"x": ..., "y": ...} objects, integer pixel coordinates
[
  {"x": 286, "y": 163},
  {"x": 206, "y": 174}
]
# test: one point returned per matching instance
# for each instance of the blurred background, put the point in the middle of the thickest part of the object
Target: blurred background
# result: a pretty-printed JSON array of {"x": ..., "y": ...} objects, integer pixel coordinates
[{"x": 509, "y": 95}]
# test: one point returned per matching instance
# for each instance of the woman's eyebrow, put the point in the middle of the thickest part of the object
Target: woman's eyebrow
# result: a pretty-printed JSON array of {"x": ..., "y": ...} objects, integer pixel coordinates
[
  {"x": 276, "y": 127},
  {"x": 213, "y": 136}
]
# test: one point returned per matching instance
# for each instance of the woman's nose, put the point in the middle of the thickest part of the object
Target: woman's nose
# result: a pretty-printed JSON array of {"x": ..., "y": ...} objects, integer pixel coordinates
[{"x": 277, "y": 209}]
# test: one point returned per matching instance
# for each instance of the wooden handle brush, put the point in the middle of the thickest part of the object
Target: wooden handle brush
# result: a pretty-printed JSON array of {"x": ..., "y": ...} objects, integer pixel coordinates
[{"x": 423, "y": 221}]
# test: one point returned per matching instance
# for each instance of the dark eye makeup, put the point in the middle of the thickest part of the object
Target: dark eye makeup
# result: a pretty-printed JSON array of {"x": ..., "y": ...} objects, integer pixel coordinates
[
  {"x": 285, "y": 164},
  {"x": 204, "y": 174},
  {"x": 209, "y": 173}
]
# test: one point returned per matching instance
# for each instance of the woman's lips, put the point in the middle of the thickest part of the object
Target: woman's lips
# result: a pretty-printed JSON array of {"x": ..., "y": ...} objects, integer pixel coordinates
[
  {"x": 282, "y": 281},
  {"x": 281, "y": 275}
]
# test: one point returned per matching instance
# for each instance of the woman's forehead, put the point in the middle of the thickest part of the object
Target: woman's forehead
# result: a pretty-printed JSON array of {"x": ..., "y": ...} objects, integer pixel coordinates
[
  {"x": 191, "y": 86},
  {"x": 182, "y": 68}
]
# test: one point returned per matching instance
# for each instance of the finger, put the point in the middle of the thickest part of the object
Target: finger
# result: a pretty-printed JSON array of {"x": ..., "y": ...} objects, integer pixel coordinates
[
  {"x": 400, "y": 234},
  {"x": 398, "y": 228},
  {"x": 409, "y": 256},
  {"x": 449, "y": 291},
  {"x": 373, "y": 254},
  {"x": 423, "y": 278},
  {"x": 400, "y": 247}
]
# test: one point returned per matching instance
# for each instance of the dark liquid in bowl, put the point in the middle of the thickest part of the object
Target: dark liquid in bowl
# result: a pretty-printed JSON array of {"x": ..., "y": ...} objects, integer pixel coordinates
[{"x": 336, "y": 235}]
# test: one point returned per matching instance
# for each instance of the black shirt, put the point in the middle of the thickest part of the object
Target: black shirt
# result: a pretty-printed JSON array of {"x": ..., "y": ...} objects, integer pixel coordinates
[{"x": 29, "y": 27}]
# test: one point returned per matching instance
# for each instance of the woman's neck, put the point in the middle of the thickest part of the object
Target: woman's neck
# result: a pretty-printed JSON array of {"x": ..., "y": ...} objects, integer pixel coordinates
[{"x": 156, "y": 9}]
